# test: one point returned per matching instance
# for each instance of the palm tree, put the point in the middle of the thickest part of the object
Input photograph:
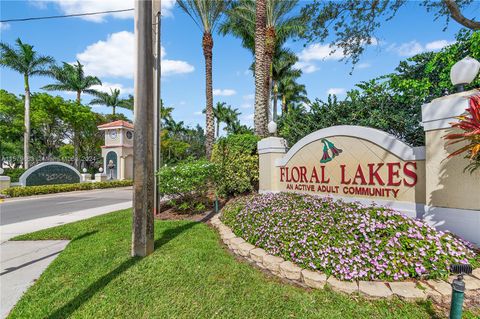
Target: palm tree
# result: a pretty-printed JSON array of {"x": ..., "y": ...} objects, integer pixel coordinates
[
  {"x": 231, "y": 119},
  {"x": 72, "y": 78},
  {"x": 292, "y": 93},
  {"x": 279, "y": 26},
  {"x": 127, "y": 103},
  {"x": 27, "y": 62},
  {"x": 260, "y": 117},
  {"x": 206, "y": 14},
  {"x": 111, "y": 99},
  {"x": 282, "y": 68}
]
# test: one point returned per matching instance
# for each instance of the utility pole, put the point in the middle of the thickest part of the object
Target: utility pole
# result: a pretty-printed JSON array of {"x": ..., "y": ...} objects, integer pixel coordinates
[
  {"x": 143, "y": 158},
  {"x": 158, "y": 100}
]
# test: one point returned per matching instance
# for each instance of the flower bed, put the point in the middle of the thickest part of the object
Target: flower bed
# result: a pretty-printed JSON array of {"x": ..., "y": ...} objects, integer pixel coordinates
[{"x": 346, "y": 240}]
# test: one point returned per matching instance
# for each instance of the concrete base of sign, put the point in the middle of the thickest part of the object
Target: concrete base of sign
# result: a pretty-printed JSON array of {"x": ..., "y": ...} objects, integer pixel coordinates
[
  {"x": 86, "y": 177},
  {"x": 436, "y": 290},
  {"x": 459, "y": 221},
  {"x": 4, "y": 182},
  {"x": 100, "y": 177}
]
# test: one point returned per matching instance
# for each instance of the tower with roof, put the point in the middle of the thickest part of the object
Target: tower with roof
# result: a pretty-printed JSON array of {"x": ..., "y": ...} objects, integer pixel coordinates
[{"x": 118, "y": 150}]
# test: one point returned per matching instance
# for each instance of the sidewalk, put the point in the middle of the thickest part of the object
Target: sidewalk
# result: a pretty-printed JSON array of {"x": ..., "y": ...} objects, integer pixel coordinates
[
  {"x": 16, "y": 229},
  {"x": 22, "y": 262}
]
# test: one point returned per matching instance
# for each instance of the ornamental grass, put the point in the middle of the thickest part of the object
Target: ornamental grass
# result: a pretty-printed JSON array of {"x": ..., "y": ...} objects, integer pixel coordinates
[{"x": 349, "y": 241}]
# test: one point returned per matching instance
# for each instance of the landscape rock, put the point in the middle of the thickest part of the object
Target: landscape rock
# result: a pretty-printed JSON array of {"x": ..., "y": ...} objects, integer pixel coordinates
[
  {"x": 442, "y": 287},
  {"x": 245, "y": 248},
  {"x": 235, "y": 242},
  {"x": 257, "y": 255},
  {"x": 433, "y": 294},
  {"x": 407, "y": 290},
  {"x": 272, "y": 263},
  {"x": 342, "y": 286},
  {"x": 314, "y": 279},
  {"x": 471, "y": 283},
  {"x": 290, "y": 271},
  {"x": 476, "y": 273},
  {"x": 375, "y": 289},
  {"x": 227, "y": 236}
]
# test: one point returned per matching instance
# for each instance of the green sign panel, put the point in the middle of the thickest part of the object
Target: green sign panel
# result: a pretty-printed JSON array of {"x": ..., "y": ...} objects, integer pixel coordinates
[{"x": 49, "y": 174}]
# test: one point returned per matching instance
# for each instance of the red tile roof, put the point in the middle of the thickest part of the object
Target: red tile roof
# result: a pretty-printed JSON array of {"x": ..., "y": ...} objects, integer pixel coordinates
[{"x": 118, "y": 123}]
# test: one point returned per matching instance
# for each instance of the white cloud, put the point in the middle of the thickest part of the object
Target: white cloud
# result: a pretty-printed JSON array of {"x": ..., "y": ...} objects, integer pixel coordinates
[
  {"x": 249, "y": 97},
  {"x": 414, "y": 47},
  {"x": 115, "y": 57},
  {"x": 106, "y": 87},
  {"x": 87, "y": 6},
  {"x": 363, "y": 65},
  {"x": 224, "y": 92},
  {"x": 336, "y": 91},
  {"x": 306, "y": 67},
  {"x": 198, "y": 113},
  {"x": 437, "y": 45},
  {"x": 246, "y": 106},
  {"x": 4, "y": 26},
  {"x": 318, "y": 52}
]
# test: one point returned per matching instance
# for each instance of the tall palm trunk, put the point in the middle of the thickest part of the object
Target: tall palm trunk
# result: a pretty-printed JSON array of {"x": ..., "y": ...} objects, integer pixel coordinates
[
  {"x": 207, "y": 43},
  {"x": 269, "y": 52},
  {"x": 275, "y": 98},
  {"x": 76, "y": 143},
  {"x": 113, "y": 112},
  {"x": 26, "y": 133},
  {"x": 260, "y": 120},
  {"x": 218, "y": 128},
  {"x": 284, "y": 104}
]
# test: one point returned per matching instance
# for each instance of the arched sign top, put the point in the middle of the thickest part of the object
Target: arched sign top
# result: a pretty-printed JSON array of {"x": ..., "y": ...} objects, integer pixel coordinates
[
  {"x": 48, "y": 173},
  {"x": 384, "y": 140}
]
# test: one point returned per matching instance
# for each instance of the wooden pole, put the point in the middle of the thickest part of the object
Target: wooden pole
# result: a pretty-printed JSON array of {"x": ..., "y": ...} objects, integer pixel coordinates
[{"x": 143, "y": 159}]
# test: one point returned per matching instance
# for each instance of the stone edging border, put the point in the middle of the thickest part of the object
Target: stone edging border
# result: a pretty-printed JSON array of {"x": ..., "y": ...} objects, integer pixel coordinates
[{"x": 438, "y": 290}]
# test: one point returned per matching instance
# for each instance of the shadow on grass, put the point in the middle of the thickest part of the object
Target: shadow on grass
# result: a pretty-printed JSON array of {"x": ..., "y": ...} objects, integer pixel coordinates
[{"x": 91, "y": 290}]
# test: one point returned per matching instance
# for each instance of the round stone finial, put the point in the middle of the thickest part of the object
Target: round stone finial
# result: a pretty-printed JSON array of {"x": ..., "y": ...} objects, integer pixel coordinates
[
  {"x": 272, "y": 127},
  {"x": 100, "y": 169},
  {"x": 464, "y": 71},
  {"x": 84, "y": 170}
]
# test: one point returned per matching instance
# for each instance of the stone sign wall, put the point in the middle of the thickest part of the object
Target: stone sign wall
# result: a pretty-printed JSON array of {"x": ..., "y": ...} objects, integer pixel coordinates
[
  {"x": 367, "y": 165},
  {"x": 50, "y": 173}
]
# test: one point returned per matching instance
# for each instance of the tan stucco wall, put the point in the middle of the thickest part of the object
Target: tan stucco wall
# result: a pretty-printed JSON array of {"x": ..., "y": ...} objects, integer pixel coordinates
[
  {"x": 447, "y": 184},
  {"x": 355, "y": 151},
  {"x": 268, "y": 173}
]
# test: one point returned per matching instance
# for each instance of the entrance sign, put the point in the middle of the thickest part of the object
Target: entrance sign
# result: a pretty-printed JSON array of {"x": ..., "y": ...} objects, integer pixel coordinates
[
  {"x": 367, "y": 165},
  {"x": 49, "y": 173},
  {"x": 354, "y": 162}
]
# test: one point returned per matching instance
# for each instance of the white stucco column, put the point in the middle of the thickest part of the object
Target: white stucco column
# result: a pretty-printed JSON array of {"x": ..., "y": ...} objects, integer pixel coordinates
[
  {"x": 122, "y": 168},
  {"x": 452, "y": 196},
  {"x": 270, "y": 150}
]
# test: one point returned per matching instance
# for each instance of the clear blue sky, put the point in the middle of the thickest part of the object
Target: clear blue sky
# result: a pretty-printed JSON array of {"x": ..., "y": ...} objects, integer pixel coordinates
[{"x": 104, "y": 45}]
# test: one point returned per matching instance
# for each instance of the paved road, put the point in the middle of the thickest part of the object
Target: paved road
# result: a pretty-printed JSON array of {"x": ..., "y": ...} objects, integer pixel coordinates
[{"x": 24, "y": 209}]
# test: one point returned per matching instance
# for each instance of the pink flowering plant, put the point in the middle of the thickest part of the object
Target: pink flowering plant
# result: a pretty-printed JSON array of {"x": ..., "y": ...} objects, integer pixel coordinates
[{"x": 346, "y": 240}]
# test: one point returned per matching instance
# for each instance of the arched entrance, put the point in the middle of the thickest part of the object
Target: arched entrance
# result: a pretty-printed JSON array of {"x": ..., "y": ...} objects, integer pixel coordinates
[{"x": 111, "y": 172}]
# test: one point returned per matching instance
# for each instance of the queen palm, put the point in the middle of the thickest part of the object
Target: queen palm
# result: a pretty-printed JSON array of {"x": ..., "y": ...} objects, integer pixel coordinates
[
  {"x": 27, "y": 62},
  {"x": 72, "y": 78},
  {"x": 111, "y": 99},
  {"x": 206, "y": 14}
]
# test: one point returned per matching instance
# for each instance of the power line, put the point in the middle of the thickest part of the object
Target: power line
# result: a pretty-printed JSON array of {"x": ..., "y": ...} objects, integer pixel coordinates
[{"x": 65, "y": 16}]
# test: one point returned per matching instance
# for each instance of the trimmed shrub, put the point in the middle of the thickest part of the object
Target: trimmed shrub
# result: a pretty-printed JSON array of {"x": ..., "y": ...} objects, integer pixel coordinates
[
  {"x": 60, "y": 188},
  {"x": 346, "y": 240},
  {"x": 236, "y": 159},
  {"x": 187, "y": 184},
  {"x": 14, "y": 173}
]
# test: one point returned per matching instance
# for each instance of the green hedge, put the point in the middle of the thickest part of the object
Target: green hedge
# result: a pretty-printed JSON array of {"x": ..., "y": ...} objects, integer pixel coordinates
[
  {"x": 14, "y": 173},
  {"x": 51, "y": 189},
  {"x": 236, "y": 159}
]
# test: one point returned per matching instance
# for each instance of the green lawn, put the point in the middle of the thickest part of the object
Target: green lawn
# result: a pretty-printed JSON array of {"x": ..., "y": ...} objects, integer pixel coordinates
[{"x": 190, "y": 275}]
